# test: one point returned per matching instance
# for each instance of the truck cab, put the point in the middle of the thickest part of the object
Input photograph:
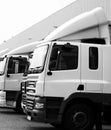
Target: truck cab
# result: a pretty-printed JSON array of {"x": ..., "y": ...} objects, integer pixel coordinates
[
  {"x": 12, "y": 69},
  {"x": 69, "y": 76},
  {"x": 13, "y": 66},
  {"x": 61, "y": 72},
  {"x": 24, "y": 84}
]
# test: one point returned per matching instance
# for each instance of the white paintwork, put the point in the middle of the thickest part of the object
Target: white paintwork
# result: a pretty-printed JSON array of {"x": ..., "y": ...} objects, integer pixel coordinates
[
  {"x": 85, "y": 34},
  {"x": 13, "y": 82},
  {"x": 90, "y": 23},
  {"x": 2, "y": 98},
  {"x": 41, "y": 29},
  {"x": 25, "y": 49},
  {"x": 3, "y": 52},
  {"x": 62, "y": 83},
  {"x": 91, "y": 79},
  {"x": 2, "y": 82},
  {"x": 82, "y": 22},
  {"x": 107, "y": 69}
]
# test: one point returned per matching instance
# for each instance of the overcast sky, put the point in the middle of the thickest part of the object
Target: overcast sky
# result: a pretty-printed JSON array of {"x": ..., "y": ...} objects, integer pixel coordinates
[{"x": 18, "y": 15}]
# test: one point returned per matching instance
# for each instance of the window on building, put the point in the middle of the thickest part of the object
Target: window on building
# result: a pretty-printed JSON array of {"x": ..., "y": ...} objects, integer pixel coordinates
[{"x": 93, "y": 58}]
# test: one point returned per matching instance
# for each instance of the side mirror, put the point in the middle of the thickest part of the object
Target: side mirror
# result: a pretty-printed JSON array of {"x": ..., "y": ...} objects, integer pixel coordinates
[
  {"x": 49, "y": 73},
  {"x": 25, "y": 74},
  {"x": 8, "y": 75}
]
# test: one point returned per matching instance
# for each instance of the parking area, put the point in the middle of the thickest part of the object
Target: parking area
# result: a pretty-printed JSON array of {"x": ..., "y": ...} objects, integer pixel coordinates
[{"x": 9, "y": 120}]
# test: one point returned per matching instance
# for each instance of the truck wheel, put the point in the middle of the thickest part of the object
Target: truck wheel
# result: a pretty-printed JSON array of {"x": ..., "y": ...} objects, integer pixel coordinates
[
  {"x": 79, "y": 117},
  {"x": 18, "y": 108}
]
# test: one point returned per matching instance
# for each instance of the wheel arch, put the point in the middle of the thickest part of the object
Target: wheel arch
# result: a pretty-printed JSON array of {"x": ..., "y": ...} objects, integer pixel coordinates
[{"x": 80, "y": 98}]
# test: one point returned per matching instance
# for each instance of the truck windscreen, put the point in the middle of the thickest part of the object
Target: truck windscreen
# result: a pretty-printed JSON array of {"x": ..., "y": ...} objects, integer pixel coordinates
[
  {"x": 2, "y": 65},
  {"x": 38, "y": 59}
]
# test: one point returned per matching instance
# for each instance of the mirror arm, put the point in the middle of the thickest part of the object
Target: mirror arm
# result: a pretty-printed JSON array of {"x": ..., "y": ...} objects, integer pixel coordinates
[
  {"x": 8, "y": 75},
  {"x": 49, "y": 73}
]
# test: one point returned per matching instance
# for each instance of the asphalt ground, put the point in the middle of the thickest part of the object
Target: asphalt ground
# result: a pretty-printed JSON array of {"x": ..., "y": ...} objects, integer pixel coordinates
[{"x": 10, "y": 120}]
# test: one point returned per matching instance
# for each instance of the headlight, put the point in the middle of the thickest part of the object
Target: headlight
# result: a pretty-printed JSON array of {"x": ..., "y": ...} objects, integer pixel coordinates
[{"x": 39, "y": 103}]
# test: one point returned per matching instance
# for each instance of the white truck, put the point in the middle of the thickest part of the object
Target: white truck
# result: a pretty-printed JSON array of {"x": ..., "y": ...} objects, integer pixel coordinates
[
  {"x": 12, "y": 67},
  {"x": 69, "y": 79}
]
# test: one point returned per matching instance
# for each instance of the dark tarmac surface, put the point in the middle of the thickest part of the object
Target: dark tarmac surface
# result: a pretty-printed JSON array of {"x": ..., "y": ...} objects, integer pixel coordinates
[{"x": 10, "y": 120}]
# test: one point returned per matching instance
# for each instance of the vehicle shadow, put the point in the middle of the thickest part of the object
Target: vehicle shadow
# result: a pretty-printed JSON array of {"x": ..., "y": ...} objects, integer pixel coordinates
[
  {"x": 43, "y": 128},
  {"x": 10, "y": 111}
]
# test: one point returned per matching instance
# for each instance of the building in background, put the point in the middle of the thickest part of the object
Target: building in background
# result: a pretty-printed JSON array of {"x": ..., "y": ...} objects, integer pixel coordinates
[{"x": 40, "y": 30}]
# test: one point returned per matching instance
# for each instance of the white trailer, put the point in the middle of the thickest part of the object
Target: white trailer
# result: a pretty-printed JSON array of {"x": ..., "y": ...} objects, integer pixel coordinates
[{"x": 69, "y": 79}]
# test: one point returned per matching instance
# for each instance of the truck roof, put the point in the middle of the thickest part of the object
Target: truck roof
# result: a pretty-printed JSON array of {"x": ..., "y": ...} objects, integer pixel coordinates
[
  {"x": 86, "y": 20},
  {"x": 42, "y": 28},
  {"x": 23, "y": 50}
]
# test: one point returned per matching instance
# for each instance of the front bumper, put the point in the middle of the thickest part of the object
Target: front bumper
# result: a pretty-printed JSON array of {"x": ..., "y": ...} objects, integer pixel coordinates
[
  {"x": 45, "y": 109},
  {"x": 38, "y": 115},
  {"x": 37, "y": 112}
]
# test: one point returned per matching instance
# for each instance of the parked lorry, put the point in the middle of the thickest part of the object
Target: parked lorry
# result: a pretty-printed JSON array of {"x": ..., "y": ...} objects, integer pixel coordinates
[
  {"x": 69, "y": 78},
  {"x": 12, "y": 67}
]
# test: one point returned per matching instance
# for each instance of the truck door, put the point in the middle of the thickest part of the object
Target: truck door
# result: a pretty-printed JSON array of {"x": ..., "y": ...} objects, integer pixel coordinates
[
  {"x": 15, "y": 70},
  {"x": 63, "y": 74},
  {"x": 91, "y": 67}
]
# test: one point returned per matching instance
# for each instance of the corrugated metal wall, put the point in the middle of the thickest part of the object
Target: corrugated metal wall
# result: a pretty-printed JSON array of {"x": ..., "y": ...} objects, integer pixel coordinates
[
  {"x": 91, "y": 4},
  {"x": 43, "y": 28}
]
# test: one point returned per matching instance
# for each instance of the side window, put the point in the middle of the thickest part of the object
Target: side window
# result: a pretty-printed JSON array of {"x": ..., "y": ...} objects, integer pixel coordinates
[
  {"x": 12, "y": 66},
  {"x": 22, "y": 65},
  {"x": 53, "y": 58},
  {"x": 17, "y": 65},
  {"x": 64, "y": 57},
  {"x": 93, "y": 58},
  {"x": 68, "y": 58}
]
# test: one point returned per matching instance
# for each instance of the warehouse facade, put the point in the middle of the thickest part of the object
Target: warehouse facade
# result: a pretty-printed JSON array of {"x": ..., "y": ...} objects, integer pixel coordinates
[{"x": 40, "y": 30}]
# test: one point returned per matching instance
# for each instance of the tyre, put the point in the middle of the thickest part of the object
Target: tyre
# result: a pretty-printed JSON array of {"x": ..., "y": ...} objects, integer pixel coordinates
[{"x": 79, "y": 117}]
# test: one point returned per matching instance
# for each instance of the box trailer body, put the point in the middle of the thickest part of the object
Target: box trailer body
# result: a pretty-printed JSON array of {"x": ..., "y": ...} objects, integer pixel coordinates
[{"x": 69, "y": 77}]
